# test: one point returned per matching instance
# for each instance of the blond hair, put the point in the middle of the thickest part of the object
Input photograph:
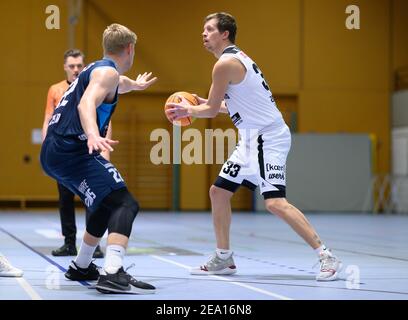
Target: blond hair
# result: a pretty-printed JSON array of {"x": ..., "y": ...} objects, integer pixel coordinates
[{"x": 116, "y": 38}]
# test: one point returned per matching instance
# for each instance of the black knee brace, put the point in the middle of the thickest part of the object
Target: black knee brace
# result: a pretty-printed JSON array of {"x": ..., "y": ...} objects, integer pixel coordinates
[
  {"x": 122, "y": 217},
  {"x": 116, "y": 213}
]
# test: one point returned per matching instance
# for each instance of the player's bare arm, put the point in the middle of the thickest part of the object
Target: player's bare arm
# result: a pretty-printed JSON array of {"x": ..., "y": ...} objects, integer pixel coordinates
[
  {"x": 143, "y": 81},
  {"x": 102, "y": 87},
  {"x": 238, "y": 72},
  {"x": 225, "y": 71},
  {"x": 201, "y": 100}
]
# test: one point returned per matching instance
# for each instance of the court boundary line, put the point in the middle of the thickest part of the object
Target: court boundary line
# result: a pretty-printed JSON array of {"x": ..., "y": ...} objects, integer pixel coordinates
[
  {"x": 203, "y": 278},
  {"x": 50, "y": 261},
  {"x": 34, "y": 295},
  {"x": 266, "y": 292}
]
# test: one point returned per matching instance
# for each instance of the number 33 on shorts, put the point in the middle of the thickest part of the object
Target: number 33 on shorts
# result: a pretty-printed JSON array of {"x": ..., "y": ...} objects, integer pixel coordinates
[{"x": 231, "y": 168}]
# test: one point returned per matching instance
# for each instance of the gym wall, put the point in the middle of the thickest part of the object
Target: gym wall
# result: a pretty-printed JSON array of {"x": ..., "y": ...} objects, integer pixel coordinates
[{"x": 334, "y": 80}]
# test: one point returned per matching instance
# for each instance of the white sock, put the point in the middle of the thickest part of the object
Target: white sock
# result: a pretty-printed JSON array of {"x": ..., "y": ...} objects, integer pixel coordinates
[
  {"x": 320, "y": 249},
  {"x": 85, "y": 254},
  {"x": 223, "y": 254},
  {"x": 114, "y": 258}
]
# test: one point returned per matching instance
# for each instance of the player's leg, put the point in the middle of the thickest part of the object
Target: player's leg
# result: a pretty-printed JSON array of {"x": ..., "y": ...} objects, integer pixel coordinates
[
  {"x": 92, "y": 180},
  {"x": 221, "y": 262},
  {"x": 68, "y": 225},
  {"x": 295, "y": 218},
  {"x": 112, "y": 208},
  {"x": 98, "y": 254},
  {"x": 330, "y": 265},
  {"x": 82, "y": 267},
  {"x": 123, "y": 209},
  {"x": 221, "y": 214},
  {"x": 233, "y": 174},
  {"x": 115, "y": 213},
  {"x": 272, "y": 155}
]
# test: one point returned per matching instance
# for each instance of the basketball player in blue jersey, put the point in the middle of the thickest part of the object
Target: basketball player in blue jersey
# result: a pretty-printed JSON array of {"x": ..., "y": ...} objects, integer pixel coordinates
[
  {"x": 239, "y": 88},
  {"x": 75, "y": 138}
]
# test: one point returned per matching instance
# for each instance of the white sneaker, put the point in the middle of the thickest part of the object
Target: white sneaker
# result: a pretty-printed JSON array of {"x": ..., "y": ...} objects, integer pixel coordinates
[
  {"x": 216, "y": 265},
  {"x": 330, "y": 266},
  {"x": 7, "y": 270}
]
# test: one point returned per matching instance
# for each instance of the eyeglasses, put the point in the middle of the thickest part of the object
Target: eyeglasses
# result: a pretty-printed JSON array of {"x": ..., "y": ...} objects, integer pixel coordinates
[{"x": 79, "y": 66}]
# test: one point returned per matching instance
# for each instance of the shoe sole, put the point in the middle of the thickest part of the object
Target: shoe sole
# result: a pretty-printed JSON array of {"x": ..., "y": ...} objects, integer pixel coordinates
[
  {"x": 224, "y": 272},
  {"x": 73, "y": 279},
  {"x": 133, "y": 290},
  {"x": 81, "y": 279},
  {"x": 331, "y": 278},
  {"x": 11, "y": 275}
]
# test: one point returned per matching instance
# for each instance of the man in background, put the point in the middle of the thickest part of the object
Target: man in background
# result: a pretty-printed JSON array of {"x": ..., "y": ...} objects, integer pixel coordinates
[{"x": 73, "y": 65}]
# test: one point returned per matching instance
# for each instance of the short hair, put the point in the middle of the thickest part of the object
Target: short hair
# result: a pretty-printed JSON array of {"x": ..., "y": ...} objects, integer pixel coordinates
[
  {"x": 73, "y": 53},
  {"x": 116, "y": 38},
  {"x": 226, "y": 22}
]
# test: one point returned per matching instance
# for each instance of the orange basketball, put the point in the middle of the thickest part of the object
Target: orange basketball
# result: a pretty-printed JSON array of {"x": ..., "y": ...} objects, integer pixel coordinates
[{"x": 174, "y": 98}]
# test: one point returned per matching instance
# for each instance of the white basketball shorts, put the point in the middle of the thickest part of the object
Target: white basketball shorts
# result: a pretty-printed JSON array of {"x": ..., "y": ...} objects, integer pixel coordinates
[{"x": 258, "y": 160}]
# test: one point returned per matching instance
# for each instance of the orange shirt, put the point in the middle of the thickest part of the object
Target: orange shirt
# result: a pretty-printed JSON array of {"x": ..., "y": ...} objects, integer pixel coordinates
[{"x": 55, "y": 93}]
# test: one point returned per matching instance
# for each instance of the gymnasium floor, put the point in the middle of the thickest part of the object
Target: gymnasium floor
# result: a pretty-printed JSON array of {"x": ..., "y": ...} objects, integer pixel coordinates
[{"x": 273, "y": 262}]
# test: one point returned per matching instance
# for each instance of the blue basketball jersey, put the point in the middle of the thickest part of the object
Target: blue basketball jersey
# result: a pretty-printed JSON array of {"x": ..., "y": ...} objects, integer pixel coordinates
[{"x": 65, "y": 120}]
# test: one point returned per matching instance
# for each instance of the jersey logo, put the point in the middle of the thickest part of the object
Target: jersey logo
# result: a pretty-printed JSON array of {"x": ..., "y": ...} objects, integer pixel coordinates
[
  {"x": 242, "y": 53},
  {"x": 55, "y": 118},
  {"x": 83, "y": 137},
  {"x": 87, "y": 192},
  {"x": 232, "y": 50},
  {"x": 236, "y": 119}
]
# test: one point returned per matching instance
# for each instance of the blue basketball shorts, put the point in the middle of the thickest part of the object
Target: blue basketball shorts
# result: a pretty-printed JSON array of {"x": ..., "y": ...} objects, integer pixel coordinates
[{"x": 90, "y": 176}]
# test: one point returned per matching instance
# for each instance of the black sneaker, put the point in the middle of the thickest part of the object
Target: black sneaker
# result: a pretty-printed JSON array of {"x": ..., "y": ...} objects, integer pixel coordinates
[
  {"x": 98, "y": 253},
  {"x": 65, "y": 250},
  {"x": 122, "y": 282},
  {"x": 76, "y": 273}
]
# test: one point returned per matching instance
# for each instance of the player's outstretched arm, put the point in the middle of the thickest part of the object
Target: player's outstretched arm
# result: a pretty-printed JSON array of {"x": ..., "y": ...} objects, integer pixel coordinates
[
  {"x": 143, "y": 81},
  {"x": 103, "y": 83}
]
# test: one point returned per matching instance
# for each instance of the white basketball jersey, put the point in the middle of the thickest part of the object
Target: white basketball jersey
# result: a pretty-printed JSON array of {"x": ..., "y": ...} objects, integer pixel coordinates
[{"x": 250, "y": 103}]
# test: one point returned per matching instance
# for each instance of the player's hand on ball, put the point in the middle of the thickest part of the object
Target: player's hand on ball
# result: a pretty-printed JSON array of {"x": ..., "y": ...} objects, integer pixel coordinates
[
  {"x": 199, "y": 99},
  {"x": 179, "y": 110}
]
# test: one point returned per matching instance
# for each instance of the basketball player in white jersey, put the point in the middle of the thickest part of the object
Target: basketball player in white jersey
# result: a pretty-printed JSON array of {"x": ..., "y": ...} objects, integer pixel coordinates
[{"x": 238, "y": 88}]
